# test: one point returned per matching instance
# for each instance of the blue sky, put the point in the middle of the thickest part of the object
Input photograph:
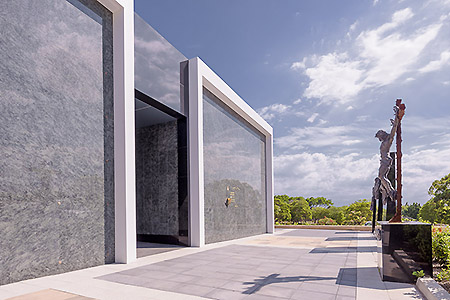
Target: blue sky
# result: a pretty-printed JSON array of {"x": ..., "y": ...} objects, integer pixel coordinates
[{"x": 325, "y": 75}]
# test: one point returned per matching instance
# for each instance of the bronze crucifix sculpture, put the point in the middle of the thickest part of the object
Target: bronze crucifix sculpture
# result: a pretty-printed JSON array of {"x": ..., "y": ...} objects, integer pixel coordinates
[{"x": 382, "y": 185}]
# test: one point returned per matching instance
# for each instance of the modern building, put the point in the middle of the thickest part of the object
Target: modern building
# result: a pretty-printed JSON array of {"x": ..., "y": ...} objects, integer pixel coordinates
[{"x": 109, "y": 136}]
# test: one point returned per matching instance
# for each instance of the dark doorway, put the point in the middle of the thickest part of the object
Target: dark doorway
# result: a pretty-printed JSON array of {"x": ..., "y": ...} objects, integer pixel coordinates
[{"x": 161, "y": 176}]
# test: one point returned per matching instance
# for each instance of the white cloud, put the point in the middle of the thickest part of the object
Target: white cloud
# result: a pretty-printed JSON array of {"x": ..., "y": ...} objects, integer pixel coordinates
[
  {"x": 375, "y": 2},
  {"x": 353, "y": 26},
  {"x": 299, "y": 113},
  {"x": 376, "y": 57},
  {"x": 362, "y": 118},
  {"x": 299, "y": 65},
  {"x": 312, "y": 118},
  {"x": 425, "y": 126},
  {"x": 269, "y": 112},
  {"x": 389, "y": 57},
  {"x": 350, "y": 177},
  {"x": 317, "y": 174},
  {"x": 437, "y": 64},
  {"x": 335, "y": 77},
  {"x": 322, "y": 122},
  {"x": 444, "y": 139},
  {"x": 420, "y": 169},
  {"x": 401, "y": 16},
  {"x": 298, "y": 101},
  {"x": 315, "y": 137}
]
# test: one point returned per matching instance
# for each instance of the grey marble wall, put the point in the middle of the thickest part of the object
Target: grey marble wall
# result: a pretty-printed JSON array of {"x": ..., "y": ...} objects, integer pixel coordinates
[
  {"x": 234, "y": 168},
  {"x": 157, "y": 179},
  {"x": 56, "y": 137},
  {"x": 156, "y": 65}
]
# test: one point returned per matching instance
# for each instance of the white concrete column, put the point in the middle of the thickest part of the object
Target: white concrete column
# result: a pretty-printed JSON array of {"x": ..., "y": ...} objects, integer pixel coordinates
[
  {"x": 269, "y": 183},
  {"x": 195, "y": 146},
  {"x": 124, "y": 144}
]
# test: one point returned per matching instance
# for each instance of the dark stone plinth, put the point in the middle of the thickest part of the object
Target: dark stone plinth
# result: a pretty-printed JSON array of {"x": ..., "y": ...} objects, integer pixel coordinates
[
  {"x": 403, "y": 249},
  {"x": 391, "y": 209}
]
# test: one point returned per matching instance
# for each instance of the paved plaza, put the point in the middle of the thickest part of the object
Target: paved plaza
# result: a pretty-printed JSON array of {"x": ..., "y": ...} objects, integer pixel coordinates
[{"x": 291, "y": 264}]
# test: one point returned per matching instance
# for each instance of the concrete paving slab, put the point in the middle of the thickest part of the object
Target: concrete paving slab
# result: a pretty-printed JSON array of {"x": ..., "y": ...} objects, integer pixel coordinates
[
  {"x": 50, "y": 294},
  {"x": 291, "y": 264}
]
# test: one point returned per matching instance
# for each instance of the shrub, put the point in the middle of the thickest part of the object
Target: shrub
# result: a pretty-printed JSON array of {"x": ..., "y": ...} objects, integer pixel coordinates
[
  {"x": 419, "y": 274},
  {"x": 444, "y": 275},
  {"x": 336, "y": 213},
  {"x": 441, "y": 245},
  {"x": 354, "y": 218},
  {"x": 327, "y": 221}
]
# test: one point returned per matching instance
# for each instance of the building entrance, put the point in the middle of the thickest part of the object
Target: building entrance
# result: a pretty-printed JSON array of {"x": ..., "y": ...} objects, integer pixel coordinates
[{"x": 161, "y": 176}]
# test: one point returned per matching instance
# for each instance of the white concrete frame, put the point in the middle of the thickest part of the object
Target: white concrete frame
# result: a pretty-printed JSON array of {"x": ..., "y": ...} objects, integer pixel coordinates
[
  {"x": 124, "y": 144},
  {"x": 200, "y": 75}
]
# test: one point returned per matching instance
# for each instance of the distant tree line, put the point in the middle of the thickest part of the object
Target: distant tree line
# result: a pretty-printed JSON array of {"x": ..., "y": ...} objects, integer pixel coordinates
[{"x": 300, "y": 210}]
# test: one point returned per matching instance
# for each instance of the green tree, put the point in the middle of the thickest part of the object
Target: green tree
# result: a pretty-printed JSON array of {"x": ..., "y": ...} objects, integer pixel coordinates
[
  {"x": 440, "y": 189},
  {"x": 428, "y": 212},
  {"x": 411, "y": 211},
  {"x": 319, "y": 202},
  {"x": 318, "y": 213},
  {"x": 437, "y": 209},
  {"x": 300, "y": 210},
  {"x": 282, "y": 209},
  {"x": 336, "y": 213},
  {"x": 357, "y": 213}
]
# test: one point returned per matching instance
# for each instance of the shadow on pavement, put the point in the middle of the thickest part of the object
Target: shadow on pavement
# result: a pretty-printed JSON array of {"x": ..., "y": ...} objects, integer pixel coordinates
[
  {"x": 259, "y": 283},
  {"x": 349, "y": 238},
  {"x": 344, "y": 249},
  {"x": 346, "y": 277},
  {"x": 370, "y": 278}
]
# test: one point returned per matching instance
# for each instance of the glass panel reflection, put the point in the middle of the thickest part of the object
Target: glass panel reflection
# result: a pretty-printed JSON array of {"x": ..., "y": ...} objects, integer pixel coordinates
[
  {"x": 156, "y": 65},
  {"x": 234, "y": 174}
]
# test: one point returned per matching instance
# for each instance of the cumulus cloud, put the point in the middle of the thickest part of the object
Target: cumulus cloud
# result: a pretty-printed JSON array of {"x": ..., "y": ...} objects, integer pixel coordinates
[
  {"x": 421, "y": 168},
  {"x": 335, "y": 76},
  {"x": 332, "y": 176},
  {"x": 375, "y": 58},
  {"x": 418, "y": 125},
  {"x": 299, "y": 65},
  {"x": 350, "y": 177},
  {"x": 312, "y": 118},
  {"x": 391, "y": 56},
  {"x": 269, "y": 112},
  {"x": 340, "y": 160},
  {"x": 437, "y": 64},
  {"x": 315, "y": 137}
]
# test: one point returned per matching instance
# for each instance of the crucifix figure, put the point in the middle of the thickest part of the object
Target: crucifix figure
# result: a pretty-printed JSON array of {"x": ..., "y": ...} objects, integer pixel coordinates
[{"x": 382, "y": 184}]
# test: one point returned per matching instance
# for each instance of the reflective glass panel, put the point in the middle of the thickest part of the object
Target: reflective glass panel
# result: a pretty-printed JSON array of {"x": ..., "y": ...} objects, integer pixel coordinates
[
  {"x": 234, "y": 174},
  {"x": 156, "y": 65}
]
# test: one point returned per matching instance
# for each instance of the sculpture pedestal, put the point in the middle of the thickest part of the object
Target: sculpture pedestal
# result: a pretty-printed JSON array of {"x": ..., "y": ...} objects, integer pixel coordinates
[{"x": 402, "y": 249}]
